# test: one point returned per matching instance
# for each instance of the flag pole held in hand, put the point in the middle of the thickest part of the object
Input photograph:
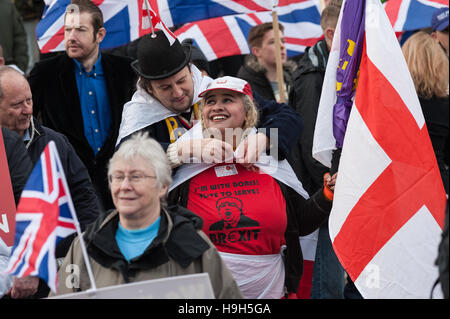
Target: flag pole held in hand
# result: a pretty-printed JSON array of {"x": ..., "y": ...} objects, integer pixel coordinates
[{"x": 276, "y": 32}]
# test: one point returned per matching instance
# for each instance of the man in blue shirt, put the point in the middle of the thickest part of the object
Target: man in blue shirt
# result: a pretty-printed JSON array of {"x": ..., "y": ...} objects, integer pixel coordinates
[
  {"x": 81, "y": 93},
  {"x": 94, "y": 103}
]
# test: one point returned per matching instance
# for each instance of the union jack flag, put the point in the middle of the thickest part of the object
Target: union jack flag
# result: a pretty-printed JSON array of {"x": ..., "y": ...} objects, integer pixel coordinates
[
  {"x": 410, "y": 15},
  {"x": 45, "y": 215},
  {"x": 122, "y": 20},
  {"x": 300, "y": 19},
  {"x": 125, "y": 20},
  {"x": 174, "y": 12}
]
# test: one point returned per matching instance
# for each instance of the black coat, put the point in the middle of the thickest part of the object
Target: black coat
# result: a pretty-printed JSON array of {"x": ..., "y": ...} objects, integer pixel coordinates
[
  {"x": 82, "y": 191},
  {"x": 304, "y": 98},
  {"x": 19, "y": 163},
  {"x": 57, "y": 105},
  {"x": 436, "y": 112},
  {"x": 303, "y": 218}
]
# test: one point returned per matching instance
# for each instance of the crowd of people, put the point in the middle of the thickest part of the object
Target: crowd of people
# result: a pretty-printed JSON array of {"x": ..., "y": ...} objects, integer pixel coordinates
[{"x": 156, "y": 146}]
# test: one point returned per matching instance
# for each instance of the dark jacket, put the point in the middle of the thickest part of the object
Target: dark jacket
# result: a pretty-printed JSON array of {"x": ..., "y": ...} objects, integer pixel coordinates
[
  {"x": 255, "y": 74},
  {"x": 57, "y": 105},
  {"x": 436, "y": 112},
  {"x": 180, "y": 248},
  {"x": 19, "y": 163},
  {"x": 303, "y": 217},
  {"x": 304, "y": 98},
  {"x": 82, "y": 192}
]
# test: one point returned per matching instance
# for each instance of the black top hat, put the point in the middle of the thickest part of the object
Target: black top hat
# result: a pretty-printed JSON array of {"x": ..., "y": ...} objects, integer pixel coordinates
[{"x": 157, "y": 59}]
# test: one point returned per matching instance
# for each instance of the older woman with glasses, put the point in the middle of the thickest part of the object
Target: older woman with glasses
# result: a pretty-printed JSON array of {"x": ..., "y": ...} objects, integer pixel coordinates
[{"x": 142, "y": 238}]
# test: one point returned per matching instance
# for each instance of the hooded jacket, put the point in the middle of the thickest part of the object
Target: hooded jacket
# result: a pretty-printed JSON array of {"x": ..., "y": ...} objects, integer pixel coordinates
[
  {"x": 180, "y": 248},
  {"x": 255, "y": 74},
  {"x": 304, "y": 98}
]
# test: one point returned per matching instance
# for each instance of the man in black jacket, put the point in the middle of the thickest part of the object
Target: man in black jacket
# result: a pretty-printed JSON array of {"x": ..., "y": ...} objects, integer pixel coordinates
[
  {"x": 81, "y": 93},
  {"x": 16, "y": 109}
]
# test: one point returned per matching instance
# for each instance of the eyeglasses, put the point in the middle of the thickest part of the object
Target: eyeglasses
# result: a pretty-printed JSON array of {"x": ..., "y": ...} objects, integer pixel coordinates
[{"x": 134, "y": 179}]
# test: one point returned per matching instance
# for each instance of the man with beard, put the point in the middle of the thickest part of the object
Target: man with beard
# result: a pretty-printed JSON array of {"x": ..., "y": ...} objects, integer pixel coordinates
[{"x": 81, "y": 93}]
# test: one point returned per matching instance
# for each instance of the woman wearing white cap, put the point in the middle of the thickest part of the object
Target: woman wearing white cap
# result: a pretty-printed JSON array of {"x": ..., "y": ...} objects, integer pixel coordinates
[{"x": 249, "y": 212}]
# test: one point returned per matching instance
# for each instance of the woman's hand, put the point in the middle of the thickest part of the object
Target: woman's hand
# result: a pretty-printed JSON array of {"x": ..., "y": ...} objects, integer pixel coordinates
[
  {"x": 251, "y": 149},
  {"x": 206, "y": 150}
]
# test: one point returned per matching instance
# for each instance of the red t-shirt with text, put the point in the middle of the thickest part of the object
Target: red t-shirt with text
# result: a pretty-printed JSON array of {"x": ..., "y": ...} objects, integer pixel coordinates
[{"x": 243, "y": 212}]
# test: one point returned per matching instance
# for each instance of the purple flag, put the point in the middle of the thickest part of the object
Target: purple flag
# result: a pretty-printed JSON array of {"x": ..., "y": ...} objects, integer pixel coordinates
[{"x": 352, "y": 38}]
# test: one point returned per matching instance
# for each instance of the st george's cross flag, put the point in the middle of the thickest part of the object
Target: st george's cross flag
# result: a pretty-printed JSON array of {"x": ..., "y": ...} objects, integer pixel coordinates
[
  {"x": 44, "y": 216},
  {"x": 389, "y": 201},
  {"x": 7, "y": 203},
  {"x": 157, "y": 24}
]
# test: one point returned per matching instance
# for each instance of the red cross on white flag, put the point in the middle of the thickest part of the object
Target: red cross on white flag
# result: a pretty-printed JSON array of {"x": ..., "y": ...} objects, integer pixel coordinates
[
  {"x": 156, "y": 22},
  {"x": 389, "y": 202}
]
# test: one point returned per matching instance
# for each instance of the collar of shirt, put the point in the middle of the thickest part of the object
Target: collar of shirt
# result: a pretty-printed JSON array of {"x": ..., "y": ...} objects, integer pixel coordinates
[
  {"x": 97, "y": 69},
  {"x": 26, "y": 136},
  {"x": 94, "y": 103}
]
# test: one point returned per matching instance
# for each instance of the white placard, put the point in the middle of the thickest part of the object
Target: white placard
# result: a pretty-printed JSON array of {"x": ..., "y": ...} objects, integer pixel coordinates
[{"x": 197, "y": 286}]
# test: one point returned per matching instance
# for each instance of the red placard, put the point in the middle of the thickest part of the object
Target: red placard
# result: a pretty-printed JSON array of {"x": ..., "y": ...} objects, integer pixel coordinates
[{"x": 7, "y": 204}]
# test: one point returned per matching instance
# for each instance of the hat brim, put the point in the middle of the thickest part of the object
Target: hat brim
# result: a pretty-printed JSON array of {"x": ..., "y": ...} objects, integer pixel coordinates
[
  {"x": 442, "y": 26},
  {"x": 187, "y": 51},
  {"x": 202, "y": 94}
]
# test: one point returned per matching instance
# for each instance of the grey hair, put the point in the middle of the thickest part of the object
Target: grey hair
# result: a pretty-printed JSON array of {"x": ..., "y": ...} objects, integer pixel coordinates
[
  {"x": 3, "y": 70},
  {"x": 140, "y": 144}
]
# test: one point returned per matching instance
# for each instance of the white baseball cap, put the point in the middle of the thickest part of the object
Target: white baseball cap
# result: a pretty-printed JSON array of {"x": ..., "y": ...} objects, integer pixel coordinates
[{"x": 229, "y": 83}]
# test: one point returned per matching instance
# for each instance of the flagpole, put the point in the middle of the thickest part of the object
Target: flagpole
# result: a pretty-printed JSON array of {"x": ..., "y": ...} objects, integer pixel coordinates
[
  {"x": 85, "y": 256},
  {"x": 150, "y": 18},
  {"x": 75, "y": 220},
  {"x": 279, "y": 65}
]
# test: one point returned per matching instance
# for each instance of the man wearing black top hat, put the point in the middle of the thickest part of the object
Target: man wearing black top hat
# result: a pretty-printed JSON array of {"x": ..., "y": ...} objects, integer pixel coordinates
[{"x": 165, "y": 103}]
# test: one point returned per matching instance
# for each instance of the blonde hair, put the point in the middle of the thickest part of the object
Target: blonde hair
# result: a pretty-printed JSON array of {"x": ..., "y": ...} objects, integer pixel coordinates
[{"x": 428, "y": 65}]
